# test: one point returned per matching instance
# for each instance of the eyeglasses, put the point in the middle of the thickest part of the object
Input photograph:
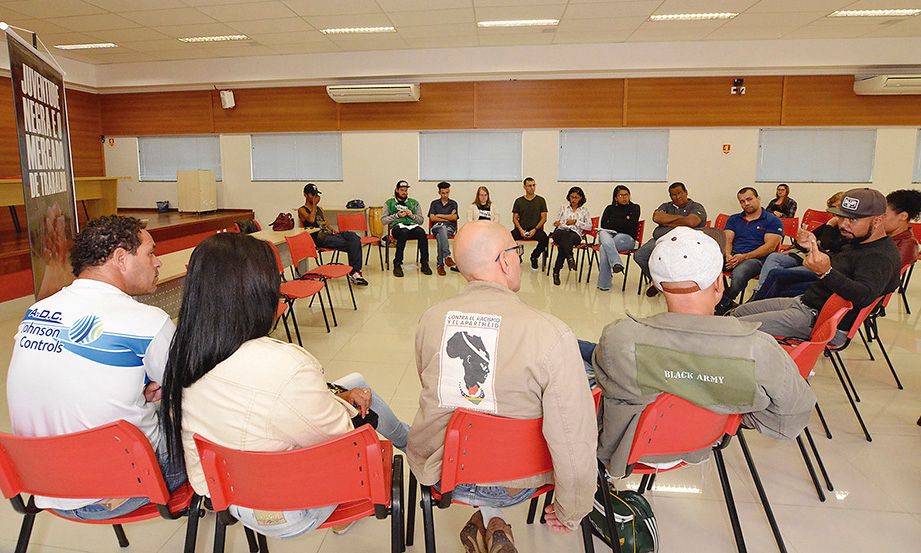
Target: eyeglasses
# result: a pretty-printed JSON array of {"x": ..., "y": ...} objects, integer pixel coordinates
[{"x": 519, "y": 249}]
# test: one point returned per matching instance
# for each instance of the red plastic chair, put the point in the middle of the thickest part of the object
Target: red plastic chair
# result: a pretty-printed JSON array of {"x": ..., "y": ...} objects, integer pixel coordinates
[
  {"x": 790, "y": 230},
  {"x": 813, "y": 219},
  {"x": 473, "y": 443},
  {"x": 593, "y": 258},
  {"x": 672, "y": 426},
  {"x": 294, "y": 290},
  {"x": 358, "y": 223},
  {"x": 355, "y": 471},
  {"x": 721, "y": 221},
  {"x": 580, "y": 247},
  {"x": 233, "y": 228},
  {"x": 303, "y": 249},
  {"x": 115, "y": 460}
]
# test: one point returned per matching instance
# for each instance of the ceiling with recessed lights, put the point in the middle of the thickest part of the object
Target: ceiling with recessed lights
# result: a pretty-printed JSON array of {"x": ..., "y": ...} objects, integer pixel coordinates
[{"x": 149, "y": 30}]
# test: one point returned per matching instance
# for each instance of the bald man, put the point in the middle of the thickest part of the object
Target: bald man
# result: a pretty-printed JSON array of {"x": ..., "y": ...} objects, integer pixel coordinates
[{"x": 488, "y": 351}]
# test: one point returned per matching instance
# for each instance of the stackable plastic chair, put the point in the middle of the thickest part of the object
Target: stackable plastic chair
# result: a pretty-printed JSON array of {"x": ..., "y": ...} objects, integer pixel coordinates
[
  {"x": 672, "y": 426},
  {"x": 481, "y": 448},
  {"x": 302, "y": 248},
  {"x": 578, "y": 249},
  {"x": 806, "y": 353},
  {"x": 356, "y": 222},
  {"x": 294, "y": 290},
  {"x": 813, "y": 219},
  {"x": 115, "y": 460},
  {"x": 790, "y": 230},
  {"x": 721, "y": 221},
  {"x": 594, "y": 257},
  {"x": 355, "y": 471}
]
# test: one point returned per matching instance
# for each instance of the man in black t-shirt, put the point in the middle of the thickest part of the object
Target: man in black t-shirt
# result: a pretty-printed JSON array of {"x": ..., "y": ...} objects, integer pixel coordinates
[
  {"x": 866, "y": 268},
  {"x": 529, "y": 214}
]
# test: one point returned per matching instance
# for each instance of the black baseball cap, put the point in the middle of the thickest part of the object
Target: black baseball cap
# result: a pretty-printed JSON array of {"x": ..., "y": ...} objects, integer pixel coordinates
[
  {"x": 311, "y": 188},
  {"x": 402, "y": 184},
  {"x": 860, "y": 202}
]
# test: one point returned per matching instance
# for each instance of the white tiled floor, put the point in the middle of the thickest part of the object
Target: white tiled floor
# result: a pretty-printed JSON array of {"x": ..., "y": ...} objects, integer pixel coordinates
[{"x": 876, "y": 506}]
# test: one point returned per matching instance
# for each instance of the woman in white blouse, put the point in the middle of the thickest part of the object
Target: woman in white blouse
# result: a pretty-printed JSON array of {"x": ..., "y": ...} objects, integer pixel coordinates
[
  {"x": 573, "y": 221},
  {"x": 482, "y": 209}
]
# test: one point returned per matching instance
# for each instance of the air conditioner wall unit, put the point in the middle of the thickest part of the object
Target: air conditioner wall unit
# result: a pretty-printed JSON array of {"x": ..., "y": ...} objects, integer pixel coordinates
[
  {"x": 887, "y": 84},
  {"x": 363, "y": 93}
]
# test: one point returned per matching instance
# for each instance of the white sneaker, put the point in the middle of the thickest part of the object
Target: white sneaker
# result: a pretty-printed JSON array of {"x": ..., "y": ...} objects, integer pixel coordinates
[{"x": 357, "y": 279}]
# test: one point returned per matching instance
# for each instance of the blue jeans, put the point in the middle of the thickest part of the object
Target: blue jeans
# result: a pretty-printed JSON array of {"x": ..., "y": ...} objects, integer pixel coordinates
[
  {"x": 348, "y": 242},
  {"x": 642, "y": 255},
  {"x": 587, "y": 349},
  {"x": 173, "y": 474},
  {"x": 388, "y": 425},
  {"x": 742, "y": 273},
  {"x": 489, "y": 496},
  {"x": 442, "y": 232},
  {"x": 773, "y": 261},
  {"x": 612, "y": 243}
]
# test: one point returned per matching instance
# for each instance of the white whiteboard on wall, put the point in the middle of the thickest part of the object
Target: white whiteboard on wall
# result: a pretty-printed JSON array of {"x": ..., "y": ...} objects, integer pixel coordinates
[
  {"x": 613, "y": 155},
  {"x": 816, "y": 155},
  {"x": 297, "y": 157},
  {"x": 917, "y": 174},
  {"x": 159, "y": 157},
  {"x": 470, "y": 156}
]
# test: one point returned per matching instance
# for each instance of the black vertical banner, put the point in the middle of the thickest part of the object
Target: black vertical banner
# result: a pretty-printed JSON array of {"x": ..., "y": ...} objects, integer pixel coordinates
[{"x": 47, "y": 170}]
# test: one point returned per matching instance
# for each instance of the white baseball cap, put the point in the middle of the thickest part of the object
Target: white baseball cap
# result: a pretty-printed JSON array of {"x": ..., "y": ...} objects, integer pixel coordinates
[{"x": 686, "y": 255}]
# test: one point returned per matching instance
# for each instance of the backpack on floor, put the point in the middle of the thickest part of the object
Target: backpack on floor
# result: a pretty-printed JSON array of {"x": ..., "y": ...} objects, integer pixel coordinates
[{"x": 633, "y": 516}]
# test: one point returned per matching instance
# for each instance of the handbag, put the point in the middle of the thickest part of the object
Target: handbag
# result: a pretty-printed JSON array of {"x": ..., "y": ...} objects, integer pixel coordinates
[
  {"x": 284, "y": 221},
  {"x": 355, "y": 204},
  {"x": 633, "y": 516}
]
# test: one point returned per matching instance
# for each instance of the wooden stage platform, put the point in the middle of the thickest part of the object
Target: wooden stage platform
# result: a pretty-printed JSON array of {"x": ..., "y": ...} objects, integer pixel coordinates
[{"x": 172, "y": 231}]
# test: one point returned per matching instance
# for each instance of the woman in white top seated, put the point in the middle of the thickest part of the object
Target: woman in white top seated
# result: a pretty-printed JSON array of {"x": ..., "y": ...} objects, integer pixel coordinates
[
  {"x": 228, "y": 381},
  {"x": 482, "y": 209},
  {"x": 572, "y": 222}
]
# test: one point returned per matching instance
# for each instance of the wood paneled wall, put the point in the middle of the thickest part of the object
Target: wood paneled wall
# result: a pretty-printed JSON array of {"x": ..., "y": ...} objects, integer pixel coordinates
[
  {"x": 85, "y": 129},
  {"x": 648, "y": 102}
]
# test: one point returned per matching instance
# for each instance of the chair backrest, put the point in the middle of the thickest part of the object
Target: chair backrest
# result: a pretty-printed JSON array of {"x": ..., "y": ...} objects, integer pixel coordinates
[
  {"x": 593, "y": 232},
  {"x": 806, "y": 354},
  {"x": 114, "y": 460},
  {"x": 861, "y": 317},
  {"x": 813, "y": 219},
  {"x": 916, "y": 230},
  {"x": 721, "y": 220},
  {"x": 640, "y": 229},
  {"x": 481, "y": 448},
  {"x": 352, "y": 221},
  {"x": 278, "y": 262},
  {"x": 347, "y": 468},
  {"x": 790, "y": 227},
  {"x": 232, "y": 228},
  {"x": 302, "y": 247},
  {"x": 671, "y": 425}
]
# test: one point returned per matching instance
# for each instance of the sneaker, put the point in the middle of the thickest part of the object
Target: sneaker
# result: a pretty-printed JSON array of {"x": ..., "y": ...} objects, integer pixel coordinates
[
  {"x": 339, "y": 530},
  {"x": 652, "y": 292},
  {"x": 618, "y": 268},
  {"x": 473, "y": 534},
  {"x": 441, "y": 270},
  {"x": 357, "y": 279},
  {"x": 455, "y": 269},
  {"x": 499, "y": 537},
  {"x": 571, "y": 261},
  {"x": 426, "y": 270},
  {"x": 449, "y": 261},
  {"x": 556, "y": 279},
  {"x": 398, "y": 271},
  {"x": 722, "y": 308},
  {"x": 533, "y": 263},
  {"x": 604, "y": 289}
]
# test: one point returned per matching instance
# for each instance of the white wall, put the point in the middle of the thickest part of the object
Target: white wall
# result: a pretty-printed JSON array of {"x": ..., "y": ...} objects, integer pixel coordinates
[{"x": 374, "y": 161}]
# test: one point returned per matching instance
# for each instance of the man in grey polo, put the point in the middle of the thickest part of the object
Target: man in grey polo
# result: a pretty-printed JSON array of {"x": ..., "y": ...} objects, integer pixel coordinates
[
  {"x": 719, "y": 363},
  {"x": 681, "y": 211}
]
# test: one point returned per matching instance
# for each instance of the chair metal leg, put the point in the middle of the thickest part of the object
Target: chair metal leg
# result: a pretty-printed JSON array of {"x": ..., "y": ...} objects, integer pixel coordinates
[
  {"x": 768, "y": 512},
  {"x": 251, "y": 540},
  {"x": 818, "y": 459},
  {"x": 120, "y": 535},
  {"x": 25, "y": 531},
  {"x": 609, "y": 520},
  {"x": 623, "y": 287},
  {"x": 587, "y": 544},
  {"x": 730, "y": 503},
  {"x": 284, "y": 320},
  {"x": 643, "y": 483},
  {"x": 352, "y": 293},
  {"x": 532, "y": 509},
  {"x": 297, "y": 331},
  {"x": 428, "y": 520},
  {"x": 397, "y": 508},
  {"x": 548, "y": 500},
  {"x": 847, "y": 376},
  {"x": 847, "y": 392},
  {"x": 411, "y": 510},
  {"x": 220, "y": 534},
  {"x": 865, "y": 344},
  {"x": 263, "y": 546},
  {"x": 874, "y": 334},
  {"x": 191, "y": 531},
  {"x": 810, "y": 468},
  {"x": 818, "y": 411},
  {"x": 332, "y": 309}
]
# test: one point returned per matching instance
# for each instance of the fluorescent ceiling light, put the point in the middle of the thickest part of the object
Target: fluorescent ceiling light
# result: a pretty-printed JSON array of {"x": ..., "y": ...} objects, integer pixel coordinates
[
  {"x": 519, "y": 23},
  {"x": 216, "y": 38},
  {"x": 85, "y": 46},
  {"x": 357, "y": 30},
  {"x": 876, "y": 13},
  {"x": 692, "y": 16}
]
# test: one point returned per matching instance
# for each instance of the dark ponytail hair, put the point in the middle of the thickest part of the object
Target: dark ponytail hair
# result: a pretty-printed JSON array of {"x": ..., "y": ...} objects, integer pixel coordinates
[{"x": 230, "y": 297}]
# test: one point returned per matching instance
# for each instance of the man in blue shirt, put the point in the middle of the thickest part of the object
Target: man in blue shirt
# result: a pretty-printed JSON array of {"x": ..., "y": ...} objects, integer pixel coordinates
[
  {"x": 443, "y": 221},
  {"x": 750, "y": 237}
]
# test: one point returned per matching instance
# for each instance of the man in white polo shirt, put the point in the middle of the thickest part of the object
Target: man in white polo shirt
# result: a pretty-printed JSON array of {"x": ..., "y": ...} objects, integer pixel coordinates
[{"x": 90, "y": 354}]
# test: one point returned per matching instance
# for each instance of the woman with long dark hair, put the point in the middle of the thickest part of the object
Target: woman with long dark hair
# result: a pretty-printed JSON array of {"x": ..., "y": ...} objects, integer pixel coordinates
[
  {"x": 228, "y": 381},
  {"x": 617, "y": 232},
  {"x": 783, "y": 205},
  {"x": 572, "y": 222}
]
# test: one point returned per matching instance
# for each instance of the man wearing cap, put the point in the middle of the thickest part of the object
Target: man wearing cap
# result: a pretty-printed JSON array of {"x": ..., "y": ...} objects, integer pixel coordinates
[
  {"x": 865, "y": 268},
  {"x": 312, "y": 216},
  {"x": 404, "y": 215},
  {"x": 722, "y": 364}
]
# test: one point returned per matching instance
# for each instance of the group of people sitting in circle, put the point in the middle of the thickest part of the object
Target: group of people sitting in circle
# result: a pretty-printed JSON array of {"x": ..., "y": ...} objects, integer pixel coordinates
[{"x": 224, "y": 376}]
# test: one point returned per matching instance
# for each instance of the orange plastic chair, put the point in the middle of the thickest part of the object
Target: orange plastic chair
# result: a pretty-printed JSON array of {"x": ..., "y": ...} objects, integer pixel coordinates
[
  {"x": 115, "y": 460},
  {"x": 593, "y": 258},
  {"x": 293, "y": 290},
  {"x": 356, "y": 222},
  {"x": 580, "y": 247},
  {"x": 813, "y": 219},
  {"x": 356, "y": 471},
  {"x": 672, "y": 426},
  {"x": 303, "y": 249},
  {"x": 473, "y": 444},
  {"x": 790, "y": 230},
  {"x": 721, "y": 221}
]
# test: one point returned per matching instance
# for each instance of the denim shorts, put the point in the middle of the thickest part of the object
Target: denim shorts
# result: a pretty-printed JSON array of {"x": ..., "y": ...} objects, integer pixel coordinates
[
  {"x": 282, "y": 524},
  {"x": 489, "y": 496}
]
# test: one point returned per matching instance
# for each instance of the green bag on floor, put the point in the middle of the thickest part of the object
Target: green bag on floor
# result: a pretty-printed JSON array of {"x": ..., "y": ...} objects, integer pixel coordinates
[{"x": 635, "y": 521}]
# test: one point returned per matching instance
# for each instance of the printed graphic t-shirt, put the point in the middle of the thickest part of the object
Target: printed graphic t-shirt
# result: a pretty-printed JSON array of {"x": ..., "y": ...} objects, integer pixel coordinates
[{"x": 81, "y": 359}]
